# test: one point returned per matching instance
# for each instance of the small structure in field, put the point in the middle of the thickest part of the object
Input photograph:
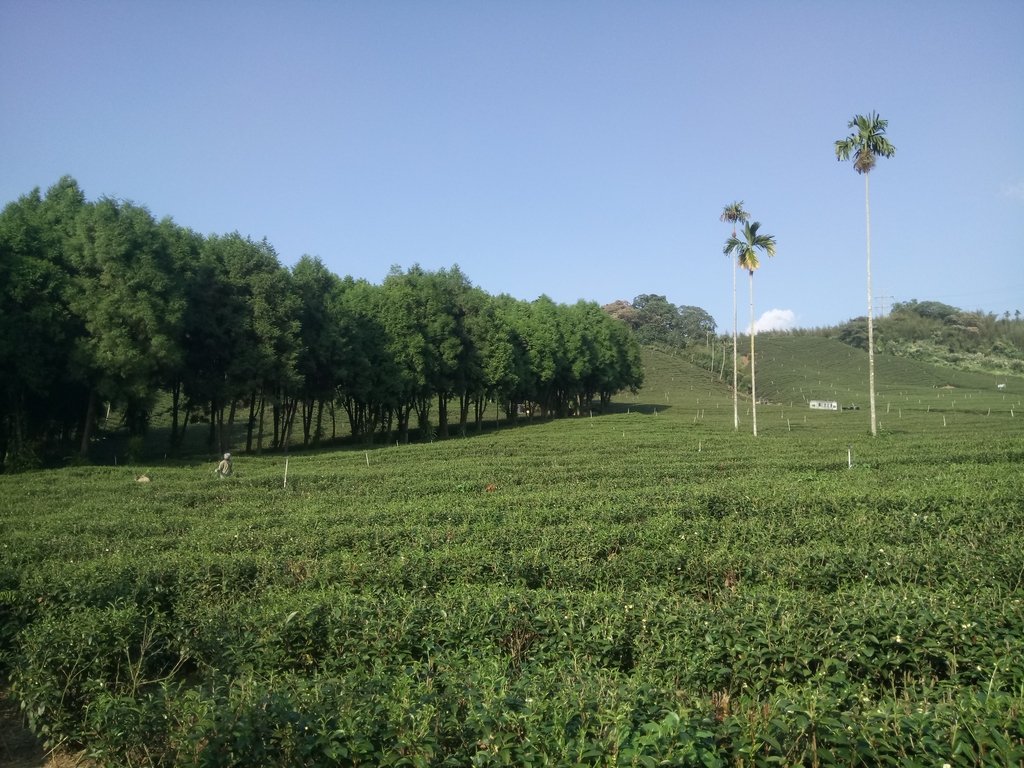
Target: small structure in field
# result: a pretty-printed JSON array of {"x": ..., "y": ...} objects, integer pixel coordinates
[{"x": 824, "y": 405}]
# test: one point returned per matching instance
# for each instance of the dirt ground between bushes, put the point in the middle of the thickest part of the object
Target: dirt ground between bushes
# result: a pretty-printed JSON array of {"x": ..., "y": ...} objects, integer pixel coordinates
[{"x": 20, "y": 749}]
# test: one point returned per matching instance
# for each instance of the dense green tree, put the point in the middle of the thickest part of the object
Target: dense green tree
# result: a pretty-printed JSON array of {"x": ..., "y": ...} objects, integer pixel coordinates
[
  {"x": 512, "y": 374},
  {"x": 486, "y": 354},
  {"x": 865, "y": 145},
  {"x": 929, "y": 309},
  {"x": 184, "y": 248},
  {"x": 401, "y": 310},
  {"x": 544, "y": 333},
  {"x": 39, "y": 404},
  {"x": 855, "y": 333},
  {"x": 695, "y": 324},
  {"x": 124, "y": 292},
  {"x": 371, "y": 387},
  {"x": 325, "y": 344},
  {"x": 627, "y": 371},
  {"x": 99, "y": 303},
  {"x": 453, "y": 360},
  {"x": 243, "y": 331},
  {"x": 604, "y": 355},
  {"x": 656, "y": 320},
  {"x": 214, "y": 331},
  {"x": 276, "y": 343}
]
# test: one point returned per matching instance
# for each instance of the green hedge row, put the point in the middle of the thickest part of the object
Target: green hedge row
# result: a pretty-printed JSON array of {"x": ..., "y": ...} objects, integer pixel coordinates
[{"x": 294, "y": 678}]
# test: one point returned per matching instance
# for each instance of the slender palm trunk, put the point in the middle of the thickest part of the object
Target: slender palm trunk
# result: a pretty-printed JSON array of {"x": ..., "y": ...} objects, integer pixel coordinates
[
  {"x": 735, "y": 372},
  {"x": 871, "y": 320},
  {"x": 753, "y": 380},
  {"x": 87, "y": 425}
]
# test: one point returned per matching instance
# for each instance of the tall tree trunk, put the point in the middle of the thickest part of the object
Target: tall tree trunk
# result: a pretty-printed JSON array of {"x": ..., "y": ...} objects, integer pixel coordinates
[
  {"x": 423, "y": 425},
  {"x": 185, "y": 420},
  {"x": 402, "y": 414},
  {"x": 735, "y": 348},
  {"x": 351, "y": 409},
  {"x": 307, "y": 420},
  {"x": 753, "y": 379},
  {"x": 259, "y": 430},
  {"x": 290, "y": 410},
  {"x": 175, "y": 402},
  {"x": 252, "y": 421},
  {"x": 276, "y": 410},
  {"x": 871, "y": 319},
  {"x": 442, "y": 415},
  {"x": 464, "y": 400},
  {"x": 222, "y": 443},
  {"x": 5, "y": 428},
  {"x": 211, "y": 438},
  {"x": 318, "y": 432},
  {"x": 90, "y": 417}
]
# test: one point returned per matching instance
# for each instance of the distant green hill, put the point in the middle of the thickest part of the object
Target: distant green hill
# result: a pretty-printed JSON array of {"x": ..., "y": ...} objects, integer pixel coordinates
[
  {"x": 794, "y": 369},
  {"x": 813, "y": 367},
  {"x": 931, "y": 331}
]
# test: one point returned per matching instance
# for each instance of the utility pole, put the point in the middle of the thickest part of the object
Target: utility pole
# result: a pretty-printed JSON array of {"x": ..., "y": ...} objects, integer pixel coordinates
[{"x": 881, "y": 301}]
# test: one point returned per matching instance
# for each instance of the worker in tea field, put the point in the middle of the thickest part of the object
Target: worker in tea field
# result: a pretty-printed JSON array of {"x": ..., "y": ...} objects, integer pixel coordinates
[{"x": 224, "y": 468}]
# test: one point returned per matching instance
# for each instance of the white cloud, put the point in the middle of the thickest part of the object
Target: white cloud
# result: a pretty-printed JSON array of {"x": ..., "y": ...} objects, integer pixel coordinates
[
  {"x": 776, "y": 320},
  {"x": 1014, "y": 191}
]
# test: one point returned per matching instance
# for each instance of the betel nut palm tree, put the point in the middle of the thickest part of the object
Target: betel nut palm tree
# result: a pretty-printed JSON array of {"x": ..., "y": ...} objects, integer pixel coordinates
[
  {"x": 745, "y": 250},
  {"x": 733, "y": 214},
  {"x": 864, "y": 145}
]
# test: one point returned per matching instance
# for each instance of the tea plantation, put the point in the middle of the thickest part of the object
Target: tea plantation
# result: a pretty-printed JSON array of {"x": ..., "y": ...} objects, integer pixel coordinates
[{"x": 643, "y": 587}]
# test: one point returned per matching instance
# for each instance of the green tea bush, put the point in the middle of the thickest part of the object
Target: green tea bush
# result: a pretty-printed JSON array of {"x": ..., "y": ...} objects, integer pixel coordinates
[{"x": 643, "y": 588}]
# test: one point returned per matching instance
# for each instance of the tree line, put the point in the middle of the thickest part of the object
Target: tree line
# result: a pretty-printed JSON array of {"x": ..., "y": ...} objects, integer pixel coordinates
[
  {"x": 656, "y": 321},
  {"x": 102, "y": 305},
  {"x": 938, "y": 332}
]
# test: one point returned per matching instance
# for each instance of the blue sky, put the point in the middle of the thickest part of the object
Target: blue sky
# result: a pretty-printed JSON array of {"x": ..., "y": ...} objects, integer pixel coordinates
[{"x": 576, "y": 149}]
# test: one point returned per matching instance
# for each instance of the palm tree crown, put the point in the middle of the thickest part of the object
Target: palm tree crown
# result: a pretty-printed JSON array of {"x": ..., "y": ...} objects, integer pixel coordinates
[
  {"x": 866, "y": 143},
  {"x": 733, "y": 214},
  {"x": 745, "y": 248}
]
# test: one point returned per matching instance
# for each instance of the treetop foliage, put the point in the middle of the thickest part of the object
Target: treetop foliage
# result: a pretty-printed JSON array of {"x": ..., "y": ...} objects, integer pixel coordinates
[
  {"x": 941, "y": 333},
  {"x": 656, "y": 320}
]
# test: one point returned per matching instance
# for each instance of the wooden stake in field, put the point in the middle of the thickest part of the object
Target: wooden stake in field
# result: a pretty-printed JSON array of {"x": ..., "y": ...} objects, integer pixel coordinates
[{"x": 286, "y": 473}]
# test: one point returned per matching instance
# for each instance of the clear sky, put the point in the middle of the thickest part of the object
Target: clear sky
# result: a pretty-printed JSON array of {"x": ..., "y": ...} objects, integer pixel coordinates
[{"x": 575, "y": 149}]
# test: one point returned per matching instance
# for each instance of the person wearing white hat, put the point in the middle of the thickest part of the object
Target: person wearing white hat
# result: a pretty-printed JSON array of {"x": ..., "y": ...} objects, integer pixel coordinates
[{"x": 224, "y": 468}]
